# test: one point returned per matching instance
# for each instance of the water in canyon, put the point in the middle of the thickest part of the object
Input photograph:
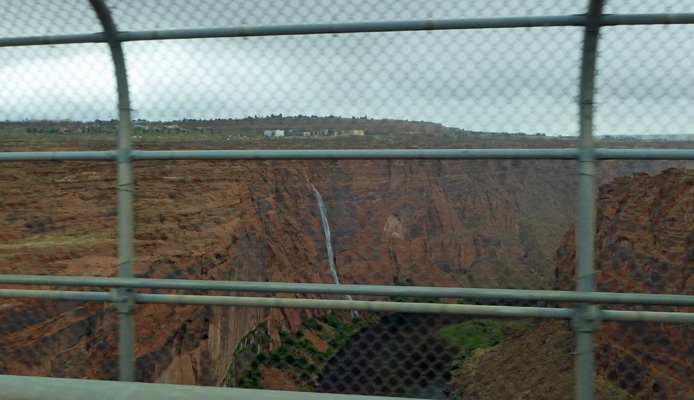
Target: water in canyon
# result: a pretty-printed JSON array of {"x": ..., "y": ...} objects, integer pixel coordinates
[
  {"x": 401, "y": 356},
  {"x": 328, "y": 241}
]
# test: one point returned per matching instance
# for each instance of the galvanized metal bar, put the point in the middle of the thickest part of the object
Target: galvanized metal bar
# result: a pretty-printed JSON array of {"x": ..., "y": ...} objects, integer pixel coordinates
[
  {"x": 305, "y": 29},
  {"x": 356, "y": 290},
  {"x": 270, "y": 302},
  {"x": 34, "y": 388},
  {"x": 359, "y": 27},
  {"x": 647, "y": 19},
  {"x": 644, "y": 154},
  {"x": 126, "y": 189},
  {"x": 646, "y": 316},
  {"x": 353, "y": 27},
  {"x": 109, "y": 155},
  {"x": 584, "y": 323},
  {"x": 357, "y": 154},
  {"x": 360, "y": 305},
  {"x": 352, "y": 154},
  {"x": 49, "y": 40}
]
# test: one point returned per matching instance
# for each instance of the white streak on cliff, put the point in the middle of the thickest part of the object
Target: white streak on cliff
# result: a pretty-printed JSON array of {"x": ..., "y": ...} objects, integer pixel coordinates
[{"x": 328, "y": 241}]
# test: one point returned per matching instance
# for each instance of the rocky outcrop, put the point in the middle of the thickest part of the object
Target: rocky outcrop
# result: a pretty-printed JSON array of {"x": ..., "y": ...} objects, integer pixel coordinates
[
  {"x": 533, "y": 365},
  {"x": 645, "y": 244}
]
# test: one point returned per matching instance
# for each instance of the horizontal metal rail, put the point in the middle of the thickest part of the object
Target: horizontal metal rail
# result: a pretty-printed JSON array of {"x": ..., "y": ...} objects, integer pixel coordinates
[
  {"x": 354, "y": 154},
  {"x": 647, "y": 19},
  {"x": 355, "y": 290},
  {"x": 424, "y": 308},
  {"x": 357, "y": 154},
  {"x": 303, "y": 29},
  {"x": 644, "y": 154},
  {"x": 646, "y": 316},
  {"x": 346, "y": 305},
  {"x": 352, "y": 27},
  {"x": 469, "y": 154},
  {"x": 33, "y": 388},
  {"x": 110, "y": 155},
  {"x": 358, "y": 305},
  {"x": 359, "y": 27},
  {"x": 316, "y": 304},
  {"x": 52, "y": 39}
]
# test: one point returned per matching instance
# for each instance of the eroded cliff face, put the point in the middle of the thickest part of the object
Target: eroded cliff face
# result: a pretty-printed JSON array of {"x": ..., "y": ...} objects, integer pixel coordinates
[
  {"x": 645, "y": 244},
  {"x": 530, "y": 365},
  {"x": 474, "y": 223},
  {"x": 493, "y": 223},
  {"x": 444, "y": 223}
]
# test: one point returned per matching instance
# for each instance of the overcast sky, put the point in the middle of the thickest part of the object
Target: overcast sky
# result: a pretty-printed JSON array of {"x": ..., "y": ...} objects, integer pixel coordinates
[{"x": 508, "y": 80}]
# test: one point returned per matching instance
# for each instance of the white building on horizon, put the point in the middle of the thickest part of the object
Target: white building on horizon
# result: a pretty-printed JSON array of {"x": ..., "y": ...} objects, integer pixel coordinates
[{"x": 275, "y": 133}]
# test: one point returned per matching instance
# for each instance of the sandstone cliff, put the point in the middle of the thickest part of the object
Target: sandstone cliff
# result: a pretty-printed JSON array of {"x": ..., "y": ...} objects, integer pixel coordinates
[
  {"x": 645, "y": 244},
  {"x": 444, "y": 223}
]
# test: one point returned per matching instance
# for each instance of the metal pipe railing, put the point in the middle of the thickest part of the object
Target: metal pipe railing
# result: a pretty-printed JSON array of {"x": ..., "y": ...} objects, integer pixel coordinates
[
  {"x": 359, "y": 305},
  {"x": 126, "y": 197},
  {"x": 354, "y": 290},
  {"x": 586, "y": 316},
  {"x": 353, "y": 27},
  {"x": 584, "y": 323},
  {"x": 304, "y": 29},
  {"x": 110, "y": 155},
  {"x": 355, "y": 154}
]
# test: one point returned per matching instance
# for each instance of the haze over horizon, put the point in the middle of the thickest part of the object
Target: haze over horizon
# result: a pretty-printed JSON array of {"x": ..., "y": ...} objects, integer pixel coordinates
[{"x": 507, "y": 80}]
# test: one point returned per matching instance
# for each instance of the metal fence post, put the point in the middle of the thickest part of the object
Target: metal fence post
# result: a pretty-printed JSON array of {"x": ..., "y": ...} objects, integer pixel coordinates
[
  {"x": 585, "y": 321},
  {"x": 125, "y": 304}
]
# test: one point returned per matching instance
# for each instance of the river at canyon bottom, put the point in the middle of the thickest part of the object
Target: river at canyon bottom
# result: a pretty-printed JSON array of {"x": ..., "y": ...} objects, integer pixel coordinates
[{"x": 401, "y": 356}]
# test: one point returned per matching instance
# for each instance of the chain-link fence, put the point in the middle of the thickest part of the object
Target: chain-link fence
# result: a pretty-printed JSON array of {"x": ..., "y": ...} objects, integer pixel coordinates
[{"x": 371, "y": 198}]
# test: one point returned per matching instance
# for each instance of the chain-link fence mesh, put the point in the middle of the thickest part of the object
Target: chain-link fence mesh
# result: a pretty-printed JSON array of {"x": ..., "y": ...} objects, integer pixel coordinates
[
  {"x": 644, "y": 86},
  {"x": 644, "y": 220},
  {"x": 291, "y": 84},
  {"x": 419, "y": 76},
  {"x": 383, "y": 223},
  {"x": 63, "y": 339},
  {"x": 644, "y": 246},
  {"x": 45, "y": 17},
  {"x": 645, "y": 6},
  {"x": 58, "y": 220},
  {"x": 647, "y": 360},
  {"x": 460, "y": 223}
]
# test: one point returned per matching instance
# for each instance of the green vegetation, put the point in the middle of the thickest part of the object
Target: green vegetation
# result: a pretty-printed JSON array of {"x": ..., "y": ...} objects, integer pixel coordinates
[
  {"x": 483, "y": 332},
  {"x": 298, "y": 356},
  {"x": 398, "y": 281},
  {"x": 254, "y": 342}
]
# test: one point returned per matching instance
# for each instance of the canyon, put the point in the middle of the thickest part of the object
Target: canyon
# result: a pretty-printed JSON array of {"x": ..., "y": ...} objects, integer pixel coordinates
[
  {"x": 644, "y": 245},
  {"x": 477, "y": 223}
]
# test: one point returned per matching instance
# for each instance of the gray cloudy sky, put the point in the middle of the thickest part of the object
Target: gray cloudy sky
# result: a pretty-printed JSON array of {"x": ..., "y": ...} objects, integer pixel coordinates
[{"x": 513, "y": 80}]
